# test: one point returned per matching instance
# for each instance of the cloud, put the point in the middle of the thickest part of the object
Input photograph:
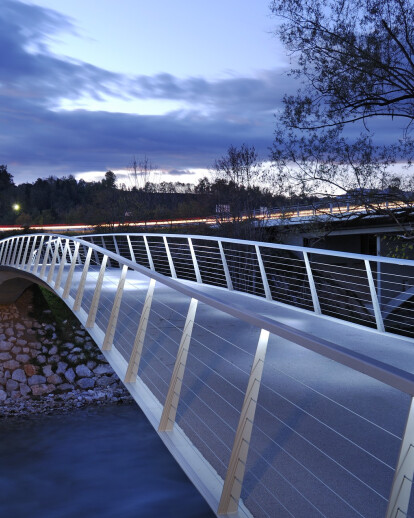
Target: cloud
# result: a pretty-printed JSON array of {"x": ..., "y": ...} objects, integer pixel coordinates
[
  {"x": 37, "y": 138},
  {"x": 181, "y": 172}
]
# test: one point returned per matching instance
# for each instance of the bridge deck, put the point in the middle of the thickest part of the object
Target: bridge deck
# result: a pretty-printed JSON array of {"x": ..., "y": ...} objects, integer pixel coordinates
[{"x": 317, "y": 421}]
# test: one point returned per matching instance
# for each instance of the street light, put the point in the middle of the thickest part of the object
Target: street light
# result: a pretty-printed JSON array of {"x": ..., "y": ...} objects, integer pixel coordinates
[{"x": 16, "y": 207}]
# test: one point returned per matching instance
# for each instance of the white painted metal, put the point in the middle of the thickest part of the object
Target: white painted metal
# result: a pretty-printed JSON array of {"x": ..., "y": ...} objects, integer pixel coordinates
[
  {"x": 385, "y": 373},
  {"x": 229, "y": 502},
  {"x": 225, "y": 266},
  {"x": 134, "y": 361},
  {"x": 116, "y": 244},
  {"x": 149, "y": 255},
  {"x": 26, "y": 251},
  {"x": 32, "y": 254},
  {"x": 131, "y": 251},
  {"x": 170, "y": 260},
  {"x": 9, "y": 253},
  {"x": 38, "y": 254},
  {"x": 22, "y": 240},
  {"x": 81, "y": 287},
  {"x": 113, "y": 319},
  {"x": 96, "y": 294},
  {"x": 195, "y": 262},
  {"x": 267, "y": 291},
  {"x": 403, "y": 478},
  {"x": 173, "y": 397},
  {"x": 46, "y": 257},
  {"x": 16, "y": 247},
  {"x": 314, "y": 293},
  {"x": 56, "y": 244},
  {"x": 3, "y": 246},
  {"x": 69, "y": 278},
  {"x": 62, "y": 265},
  {"x": 375, "y": 304}
]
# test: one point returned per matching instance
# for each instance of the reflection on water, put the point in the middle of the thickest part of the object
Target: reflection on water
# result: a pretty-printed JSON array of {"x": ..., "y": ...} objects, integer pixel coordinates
[{"x": 99, "y": 462}]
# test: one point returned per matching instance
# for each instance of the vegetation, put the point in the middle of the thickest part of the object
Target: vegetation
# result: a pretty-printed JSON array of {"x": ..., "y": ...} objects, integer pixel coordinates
[
  {"x": 354, "y": 60},
  {"x": 235, "y": 185}
]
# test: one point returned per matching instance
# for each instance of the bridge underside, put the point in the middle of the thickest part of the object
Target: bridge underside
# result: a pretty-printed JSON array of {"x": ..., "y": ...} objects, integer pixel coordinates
[{"x": 13, "y": 283}]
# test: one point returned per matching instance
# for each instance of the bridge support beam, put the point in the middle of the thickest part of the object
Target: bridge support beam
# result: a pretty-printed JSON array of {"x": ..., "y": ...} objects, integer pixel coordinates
[
  {"x": 403, "y": 477},
  {"x": 229, "y": 502},
  {"x": 134, "y": 361},
  {"x": 173, "y": 397}
]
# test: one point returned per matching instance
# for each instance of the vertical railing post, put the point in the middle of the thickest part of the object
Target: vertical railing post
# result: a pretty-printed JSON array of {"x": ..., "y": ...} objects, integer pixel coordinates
[
  {"x": 16, "y": 246},
  {"x": 39, "y": 253},
  {"x": 21, "y": 246},
  {"x": 62, "y": 265},
  {"x": 225, "y": 266},
  {"x": 116, "y": 245},
  {"x": 3, "y": 245},
  {"x": 374, "y": 298},
  {"x": 54, "y": 259},
  {"x": 95, "y": 254},
  {"x": 312, "y": 286},
  {"x": 265, "y": 282},
  {"x": 96, "y": 294},
  {"x": 113, "y": 319},
  {"x": 195, "y": 262},
  {"x": 169, "y": 256},
  {"x": 104, "y": 246},
  {"x": 81, "y": 287},
  {"x": 135, "y": 358},
  {"x": 32, "y": 253},
  {"x": 131, "y": 250},
  {"x": 403, "y": 477},
  {"x": 4, "y": 248},
  {"x": 173, "y": 396},
  {"x": 26, "y": 252},
  {"x": 229, "y": 501},
  {"x": 11, "y": 248},
  {"x": 45, "y": 257},
  {"x": 379, "y": 283},
  {"x": 69, "y": 278},
  {"x": 149, "y": 255}
]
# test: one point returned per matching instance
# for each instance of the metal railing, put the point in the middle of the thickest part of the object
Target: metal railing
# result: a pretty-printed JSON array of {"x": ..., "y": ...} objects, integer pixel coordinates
[
  {"x": 326, "y": 434},
  {"x": 371, "y": 291}
]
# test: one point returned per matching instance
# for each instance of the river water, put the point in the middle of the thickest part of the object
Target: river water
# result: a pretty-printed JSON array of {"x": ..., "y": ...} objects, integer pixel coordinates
[{"x": 104, "y": 462}]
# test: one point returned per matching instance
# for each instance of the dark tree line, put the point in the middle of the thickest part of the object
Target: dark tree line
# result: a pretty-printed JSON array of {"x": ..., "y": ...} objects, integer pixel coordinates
[{"x": 67, "y": 200}]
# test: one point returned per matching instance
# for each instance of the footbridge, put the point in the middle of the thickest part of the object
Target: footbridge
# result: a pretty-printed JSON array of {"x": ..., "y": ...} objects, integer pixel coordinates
[{"x": 281, "y": 378}]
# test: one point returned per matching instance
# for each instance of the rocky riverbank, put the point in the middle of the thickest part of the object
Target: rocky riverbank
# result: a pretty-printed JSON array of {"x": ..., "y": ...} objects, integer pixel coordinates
[{"x": 42, "y": 371}]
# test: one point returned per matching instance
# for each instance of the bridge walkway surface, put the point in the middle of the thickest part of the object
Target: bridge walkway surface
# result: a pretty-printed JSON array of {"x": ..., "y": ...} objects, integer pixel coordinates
[{"x": 297, "y": 413}]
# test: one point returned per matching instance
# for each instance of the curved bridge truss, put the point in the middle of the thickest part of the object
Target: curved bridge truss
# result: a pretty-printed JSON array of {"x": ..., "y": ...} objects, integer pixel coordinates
[{"x": 195, "y": 326}]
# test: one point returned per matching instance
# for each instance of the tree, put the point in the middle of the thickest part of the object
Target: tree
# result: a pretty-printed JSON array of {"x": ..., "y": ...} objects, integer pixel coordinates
[
  {"x": 6, "y": 179},
  {"x": 237, "y": 174},
  {"x": 356, "y": 57},
  {"x": 356, "y": 62},
  {"x": 240, "y": 166},
  {"x": 110, "y": 180},
  {"x": 141, "y": 172},
  {"x": 324, "y": 165}
]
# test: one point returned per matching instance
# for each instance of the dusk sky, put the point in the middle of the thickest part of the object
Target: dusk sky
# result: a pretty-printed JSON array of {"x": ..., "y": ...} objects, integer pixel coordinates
[{"x": 87, "y": 84}]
